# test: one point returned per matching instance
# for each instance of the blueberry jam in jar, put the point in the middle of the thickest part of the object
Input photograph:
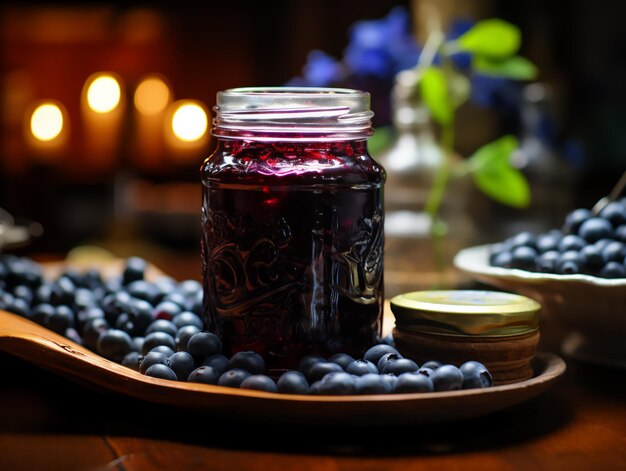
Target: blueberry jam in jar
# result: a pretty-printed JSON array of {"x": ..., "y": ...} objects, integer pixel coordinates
[{"x": 292, "y": 224}]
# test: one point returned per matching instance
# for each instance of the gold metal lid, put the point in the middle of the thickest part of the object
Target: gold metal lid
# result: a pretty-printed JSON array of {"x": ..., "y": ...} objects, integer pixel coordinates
[{"x": 466, "y": 312}]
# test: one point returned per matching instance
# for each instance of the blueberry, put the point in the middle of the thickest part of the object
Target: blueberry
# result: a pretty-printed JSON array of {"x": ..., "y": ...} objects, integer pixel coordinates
[
  {"x": 92, "y": 331},
  {"x": 20, "y": 307},
  {"x": 72, "y": 334},
  {"x": 362, "y": 367},
  {"x": 143, "y": 290},
  {"x": 182, "y": 364},
  {"x": 24, "y": 292},
  {"x": 620, "y": 233},
  {"x": 249, "y": 361},
  {"x": 503, "y": 260},
  {"x": 548, "y": 261},
  {"x": 594, "y": 229},
  {"x": 84, "y": 299},
  {"x": 187, "y": 318},
  {"x": 155, "y": 339},
  {"x": 138, "y": 343},
  {"x": 62, "y": 291},
  {"x": 385, "y": 359},
  {"x": 548, "y": 242},
  {"x": 432, "y": 364},
  {"x": 574, "y": 219},
  {"x": 375, "y": 353},
  {"x": 183, "y": 335},
  {"x": 150, "y": 359},
  {"x": 176, "y": 298},
  {"x": 497, "y": 248},
  {"x": 475, "y": 375},
  {"x": 388, "y": 340},
  {"x": 140, "y": 314},
  {"x": 307, "y": 361},
  {"x": 426, "y": 371},
  {"x": 204, "y": 374},
  {"x": 342, "y": 359},
  {"x": 602, "y": 243},
  {"x": 219, "y": 362},
  {"x": 161, "y": 371},
  {"x": 413, "y": 383},
  {"x": 615, "y": 213},
  {"x": 523, "y": 258},
  {"x": 293, "y": 382},
  {"x": 189, "y": 287},
  {"x": 372, "y": 383},
  {"x": 523, "y": 239},
  {"x": 320, "y": 369},
  {"x": 114, "y": 344},
  {"x": 204, "y": 344},
  {"x": 571, "y": 262},
  {"x": 571, "y": 242},
  {"x": 166, "y": 310},
  {"x": 134, "y": 269},
  {"x": 132, "y": 360},
  {"x": 447, "y": 378},
  {"x": 614, "y": 252},
  {"x": 85, "y": 315},
  {"x": 61, "y": 320},
  {"x": 593, "y": 257},
  {"x": 164, "y": 349},
  {"x": 337, "y": 383},
  {"x": 259, "y": 382},
  {"x": 613, "y": 270},
  {"x": 391, "y": 379},
  {"x": 399, "y": 366},
  {"x": 43, "y": 294},
  {"x": 162, "y": 325},
  {"x": 233, "y": 378}
]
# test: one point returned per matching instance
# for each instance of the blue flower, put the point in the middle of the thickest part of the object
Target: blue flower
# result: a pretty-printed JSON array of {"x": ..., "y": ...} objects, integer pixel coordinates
[
  {"x": 322, "y": 70},
  {"x": 382, "y": 47}
]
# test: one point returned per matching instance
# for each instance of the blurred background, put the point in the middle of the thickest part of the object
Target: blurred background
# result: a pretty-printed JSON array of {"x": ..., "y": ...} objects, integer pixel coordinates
[{"x": 106, "y": 112}]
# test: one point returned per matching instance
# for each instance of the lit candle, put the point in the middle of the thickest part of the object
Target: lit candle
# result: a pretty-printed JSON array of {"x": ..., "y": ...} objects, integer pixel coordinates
[
  {"x": 186, "y": 129},
  {"x": 46, "y": 128},
  {"x": 151, "y": 99},
  {"x": 102, "y": 106}
]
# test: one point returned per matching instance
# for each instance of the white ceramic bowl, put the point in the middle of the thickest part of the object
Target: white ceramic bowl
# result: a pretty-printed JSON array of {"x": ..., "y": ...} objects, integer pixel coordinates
[{"x": 593, "y": 309}]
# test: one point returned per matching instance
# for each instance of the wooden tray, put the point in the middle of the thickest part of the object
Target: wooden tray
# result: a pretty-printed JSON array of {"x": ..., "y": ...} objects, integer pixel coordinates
[{"x": 36, "y": 344}]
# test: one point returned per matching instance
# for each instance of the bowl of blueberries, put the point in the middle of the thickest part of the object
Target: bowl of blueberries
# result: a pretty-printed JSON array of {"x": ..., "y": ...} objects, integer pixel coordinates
[{"x": 577, "y": 272}]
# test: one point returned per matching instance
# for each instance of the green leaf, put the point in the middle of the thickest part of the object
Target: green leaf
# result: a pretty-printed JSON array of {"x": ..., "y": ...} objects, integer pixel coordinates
[
  {"x": 493, "y": 38},
  {"x": 516, "y": 67},
  {"x": 494, "y": 176},
  {"x": 434, "y": 91}
]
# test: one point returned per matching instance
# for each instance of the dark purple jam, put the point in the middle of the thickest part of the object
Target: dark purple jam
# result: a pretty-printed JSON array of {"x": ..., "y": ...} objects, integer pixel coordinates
[{"x": 292, "y": 248}]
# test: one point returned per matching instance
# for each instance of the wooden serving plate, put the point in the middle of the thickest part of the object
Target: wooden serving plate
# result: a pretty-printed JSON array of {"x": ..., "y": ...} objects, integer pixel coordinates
[{"x": 36, "y": 344}]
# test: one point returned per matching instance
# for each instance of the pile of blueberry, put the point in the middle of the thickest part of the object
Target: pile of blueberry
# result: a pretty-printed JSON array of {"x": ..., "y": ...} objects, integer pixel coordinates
[
  {"x": 382, "y": 370},
  {"x": 586, "y": 244},
  {"x": 156, "y": 328}
]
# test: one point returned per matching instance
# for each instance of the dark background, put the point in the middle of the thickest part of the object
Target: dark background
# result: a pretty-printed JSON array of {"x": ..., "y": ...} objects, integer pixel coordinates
[{"x": 203, "y": 47}]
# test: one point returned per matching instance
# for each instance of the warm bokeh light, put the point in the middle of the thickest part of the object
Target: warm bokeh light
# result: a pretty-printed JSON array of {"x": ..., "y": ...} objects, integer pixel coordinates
[
  {"x": 46, "y": 122},
  {"x": 103, "y": 94},
  {"x": 189, "y": 122},
  {"x": 151, "y": 96}
]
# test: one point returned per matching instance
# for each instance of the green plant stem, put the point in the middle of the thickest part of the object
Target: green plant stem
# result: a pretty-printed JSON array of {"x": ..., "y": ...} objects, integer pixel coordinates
[{"x": 435, "y": 198}]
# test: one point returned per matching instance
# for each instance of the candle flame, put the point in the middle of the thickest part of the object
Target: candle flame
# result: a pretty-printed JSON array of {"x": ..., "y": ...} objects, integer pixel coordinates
[
  {"x": 189, "y": 122},
  {"x": 46, "y": 122},
  {"x": 151, "y": 96},
  {"x": 103, "y": 94}
]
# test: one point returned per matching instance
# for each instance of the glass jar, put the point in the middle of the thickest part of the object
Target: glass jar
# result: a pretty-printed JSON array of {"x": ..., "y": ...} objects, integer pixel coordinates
[{"x": 292, "y": 224}]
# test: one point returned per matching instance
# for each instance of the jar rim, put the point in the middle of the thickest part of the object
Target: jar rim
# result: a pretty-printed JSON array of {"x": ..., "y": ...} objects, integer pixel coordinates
[{"x": 297, "y": 113}]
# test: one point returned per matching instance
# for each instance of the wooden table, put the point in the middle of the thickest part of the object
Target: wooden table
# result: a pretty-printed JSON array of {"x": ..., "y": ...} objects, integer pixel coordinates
[{"x": 49, "y": 423}]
